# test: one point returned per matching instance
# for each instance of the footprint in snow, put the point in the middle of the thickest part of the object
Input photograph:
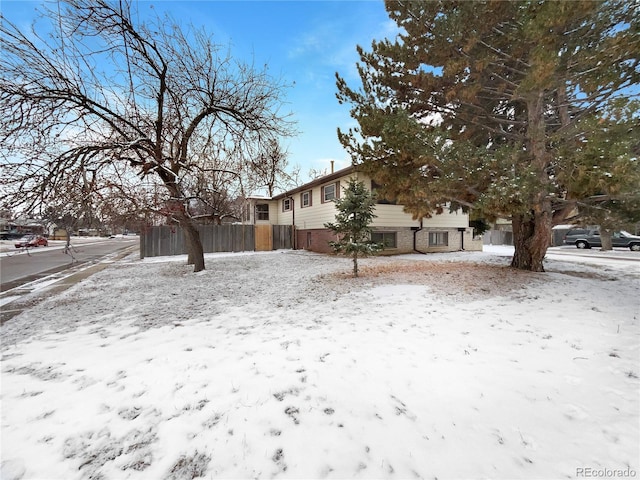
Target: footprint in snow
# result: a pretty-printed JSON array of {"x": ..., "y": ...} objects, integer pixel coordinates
[{"x": 293, "y": 413}]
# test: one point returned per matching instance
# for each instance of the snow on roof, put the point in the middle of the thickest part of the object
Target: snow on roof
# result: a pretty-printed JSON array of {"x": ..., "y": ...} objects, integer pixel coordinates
[{"x": 258, "y": 197}]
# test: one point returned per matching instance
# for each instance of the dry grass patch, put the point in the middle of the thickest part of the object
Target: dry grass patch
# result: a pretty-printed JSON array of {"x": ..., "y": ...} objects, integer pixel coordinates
[{"x": 451, "y": 278}]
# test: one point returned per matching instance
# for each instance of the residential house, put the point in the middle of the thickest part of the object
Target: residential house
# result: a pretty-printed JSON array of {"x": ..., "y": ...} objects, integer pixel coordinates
[
  {"x": 21, "y": 226},
  {"x": 308, "y": 207}
]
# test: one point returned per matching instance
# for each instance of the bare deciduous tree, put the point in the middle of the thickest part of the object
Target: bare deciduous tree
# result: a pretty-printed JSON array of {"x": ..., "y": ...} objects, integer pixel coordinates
[
  {"x": 270, "y": 170},
  {"x": 103, "y": 89}
]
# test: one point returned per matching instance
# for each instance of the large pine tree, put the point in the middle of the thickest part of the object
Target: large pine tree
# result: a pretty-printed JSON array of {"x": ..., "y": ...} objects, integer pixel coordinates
[{"x": 480, "y": 104}]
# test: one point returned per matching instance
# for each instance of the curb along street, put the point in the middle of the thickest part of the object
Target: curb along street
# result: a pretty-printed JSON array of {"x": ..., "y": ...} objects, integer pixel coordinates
[
  {"x": 626, "y": 255},
  {"x": 16, "y": 300}
]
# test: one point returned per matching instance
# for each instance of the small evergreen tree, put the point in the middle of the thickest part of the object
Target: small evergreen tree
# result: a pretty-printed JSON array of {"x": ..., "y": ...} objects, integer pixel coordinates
[{"x": 355, "y": 213}]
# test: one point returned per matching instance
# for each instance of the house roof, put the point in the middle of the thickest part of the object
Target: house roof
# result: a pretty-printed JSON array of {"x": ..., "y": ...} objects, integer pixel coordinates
[
  {"x": 258, "y": 197},
  {"x": 26, "y": 222},
  {"x": 318, "y": 181}
]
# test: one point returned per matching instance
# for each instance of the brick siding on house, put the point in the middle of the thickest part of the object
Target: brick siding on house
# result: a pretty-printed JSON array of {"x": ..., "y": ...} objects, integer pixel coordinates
[
  {"x": 404, "y": 240},
  {"x": 456, "y": 241},
  {"x": 453, "y": 244},
  {"x": 315, "y": 240}
]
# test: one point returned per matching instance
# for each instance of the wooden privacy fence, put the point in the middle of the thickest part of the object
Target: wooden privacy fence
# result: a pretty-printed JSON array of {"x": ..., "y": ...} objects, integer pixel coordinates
[
  {"x": 169, "y": 239},
  {"x": 497, "y": 237}
]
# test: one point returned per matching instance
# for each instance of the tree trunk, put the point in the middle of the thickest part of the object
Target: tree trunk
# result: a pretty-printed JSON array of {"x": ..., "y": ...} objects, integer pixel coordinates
[
  {"x": 605, "y": 239},
  {"x": 195, "y": 251},
  {"x": 355, "y": 264},
  {"x": 188, "y": 240},
  {"x": 531, "y": 238},
  {"x": 532, "y": 231}
]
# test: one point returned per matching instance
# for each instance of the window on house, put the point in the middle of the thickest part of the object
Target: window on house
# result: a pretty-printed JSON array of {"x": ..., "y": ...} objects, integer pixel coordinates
[
  {"x": 380, "y": 200},
  {"x": 438, "y": 239},
  {"x": 305, "y": 199},
  {"x": 388, "y": 239},
  {"x": 286, "y": 204},
  {"x": 330, "y": 192},
  {"x": 262, "y": 211}
]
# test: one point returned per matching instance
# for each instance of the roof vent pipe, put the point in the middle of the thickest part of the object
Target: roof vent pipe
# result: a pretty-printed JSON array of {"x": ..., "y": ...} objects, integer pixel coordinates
[{"x": 332, "y": 166}]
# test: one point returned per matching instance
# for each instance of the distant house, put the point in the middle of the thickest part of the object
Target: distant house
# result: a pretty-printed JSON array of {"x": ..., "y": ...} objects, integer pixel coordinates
[
  {"x": 20, "y": 226},
  {"x": 308, "y": 207}
]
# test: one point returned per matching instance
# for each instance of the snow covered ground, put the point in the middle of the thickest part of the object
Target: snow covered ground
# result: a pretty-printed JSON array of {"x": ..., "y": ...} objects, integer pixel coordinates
[{"x": 280, "y": 365}]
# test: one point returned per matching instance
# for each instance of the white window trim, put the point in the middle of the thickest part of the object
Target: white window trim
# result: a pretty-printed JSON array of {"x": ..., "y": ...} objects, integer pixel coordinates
[
  {"x": 393, "y": 233},
  {"x": 309, "y": 193},
  {"x": 264, "y": 211},
  {"x": 436, "y": 237},
  {"x": 336, "y": 192}
]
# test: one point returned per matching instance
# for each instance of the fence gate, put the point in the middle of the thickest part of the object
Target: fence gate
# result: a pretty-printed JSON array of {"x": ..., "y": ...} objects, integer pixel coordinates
[{"x": 264, "y": 238}]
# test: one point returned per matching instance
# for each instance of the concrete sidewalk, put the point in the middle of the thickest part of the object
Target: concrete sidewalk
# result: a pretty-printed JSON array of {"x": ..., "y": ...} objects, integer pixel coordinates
[{"x": 16, "y": 300}]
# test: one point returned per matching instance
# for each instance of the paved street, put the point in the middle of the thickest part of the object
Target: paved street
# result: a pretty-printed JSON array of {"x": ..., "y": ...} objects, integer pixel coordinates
[{"x": 19, "y": 266}]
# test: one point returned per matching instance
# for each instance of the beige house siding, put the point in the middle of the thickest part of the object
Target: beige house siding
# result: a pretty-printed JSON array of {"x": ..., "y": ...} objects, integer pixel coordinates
[
  {"x": 311, "y": 217},
  {"x": 284, "y": 218},
  {"x": 446, "y": 219},
  {"x": 395, "y": 216},
  {"x": 253, "y": 216},
  {"x": 319, "y": 213},
  {"x": 311, "y": 233},
  {"x": 315, "y": 216},
  {"x": 392, "y": 216}
]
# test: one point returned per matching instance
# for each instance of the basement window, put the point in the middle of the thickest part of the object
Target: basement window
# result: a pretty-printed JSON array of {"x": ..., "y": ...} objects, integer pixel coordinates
[
  {"x": 388, "y": 239},
  {"x": 438, "y": 239}
]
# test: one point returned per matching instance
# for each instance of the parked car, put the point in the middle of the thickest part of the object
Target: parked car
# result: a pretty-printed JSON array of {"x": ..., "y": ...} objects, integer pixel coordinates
[
  {"x": 32, "y": 241},
  {"x": 587, "y": 238}
]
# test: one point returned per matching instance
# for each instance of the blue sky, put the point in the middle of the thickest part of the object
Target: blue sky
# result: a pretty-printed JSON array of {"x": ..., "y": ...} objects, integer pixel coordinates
[{"x": 302, "y": 41}]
